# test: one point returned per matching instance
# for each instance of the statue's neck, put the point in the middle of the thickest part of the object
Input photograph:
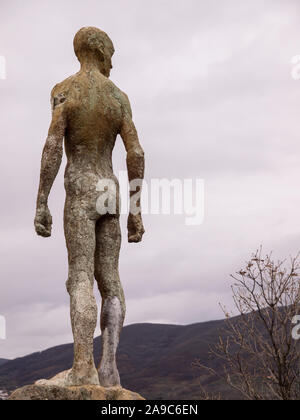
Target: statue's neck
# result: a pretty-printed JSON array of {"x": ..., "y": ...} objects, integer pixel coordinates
[{"x": 92, "y": 66}]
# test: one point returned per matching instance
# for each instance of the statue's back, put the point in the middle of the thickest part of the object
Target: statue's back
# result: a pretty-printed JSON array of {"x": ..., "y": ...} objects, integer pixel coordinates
[{"x": 94, "y": 109}]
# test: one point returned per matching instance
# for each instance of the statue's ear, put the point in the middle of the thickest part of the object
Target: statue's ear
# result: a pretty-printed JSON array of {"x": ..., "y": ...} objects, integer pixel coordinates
[{"x": 100, "y": 52}]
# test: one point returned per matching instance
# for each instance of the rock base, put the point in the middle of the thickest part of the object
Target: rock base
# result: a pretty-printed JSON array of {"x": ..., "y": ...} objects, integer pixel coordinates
[{"x": 55, "y": 390}]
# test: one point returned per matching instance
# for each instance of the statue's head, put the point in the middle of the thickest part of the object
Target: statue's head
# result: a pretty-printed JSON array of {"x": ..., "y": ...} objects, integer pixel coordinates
[{"x": 93, "y": 46}]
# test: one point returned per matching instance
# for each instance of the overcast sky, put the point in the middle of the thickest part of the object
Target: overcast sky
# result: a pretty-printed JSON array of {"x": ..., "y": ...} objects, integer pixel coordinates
[{"x": 213, "y": 98}]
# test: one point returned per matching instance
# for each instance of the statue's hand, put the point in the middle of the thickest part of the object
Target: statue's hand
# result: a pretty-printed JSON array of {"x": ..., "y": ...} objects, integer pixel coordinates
[
  {"x": 43, "y": 221},
  {"x": 135, "y": 228}
]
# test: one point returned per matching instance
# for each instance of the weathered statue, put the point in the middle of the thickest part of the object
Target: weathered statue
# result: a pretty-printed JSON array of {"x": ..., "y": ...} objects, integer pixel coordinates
[{"x": 89, "y": 111}]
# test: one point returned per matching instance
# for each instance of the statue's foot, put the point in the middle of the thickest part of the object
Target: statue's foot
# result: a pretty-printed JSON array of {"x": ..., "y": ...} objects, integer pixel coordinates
[
  {"x": 85, "y": 375},
  {"x": 109, "y": 375}
]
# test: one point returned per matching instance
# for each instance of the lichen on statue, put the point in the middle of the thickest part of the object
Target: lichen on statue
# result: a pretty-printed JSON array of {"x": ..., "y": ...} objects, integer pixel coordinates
[{"x": 88, "y": 113}]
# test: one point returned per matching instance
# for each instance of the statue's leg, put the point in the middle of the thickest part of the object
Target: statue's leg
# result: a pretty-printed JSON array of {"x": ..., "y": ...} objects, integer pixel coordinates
[
  {"x": 80, "y": 239},
  {"x": 108, "y": 242}
]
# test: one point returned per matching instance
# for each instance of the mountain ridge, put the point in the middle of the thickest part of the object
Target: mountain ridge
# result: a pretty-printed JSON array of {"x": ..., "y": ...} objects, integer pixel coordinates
[{"x": 155, "y": 360}]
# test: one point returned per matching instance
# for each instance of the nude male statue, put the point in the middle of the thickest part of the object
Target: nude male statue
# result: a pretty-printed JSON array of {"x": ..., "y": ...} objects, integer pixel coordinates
[{"x": 88, "y": 112}]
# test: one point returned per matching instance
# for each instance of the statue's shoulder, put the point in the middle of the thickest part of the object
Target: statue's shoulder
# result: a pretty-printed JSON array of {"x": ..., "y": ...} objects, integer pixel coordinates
[
  {"x": 122, "y": 98},
  {"x": 64, "y": 86},
  {"x": 60, "y": 91}
]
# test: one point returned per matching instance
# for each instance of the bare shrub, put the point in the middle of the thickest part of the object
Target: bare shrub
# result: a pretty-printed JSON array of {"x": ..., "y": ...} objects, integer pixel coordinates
[{"x": 260, "y": 358}]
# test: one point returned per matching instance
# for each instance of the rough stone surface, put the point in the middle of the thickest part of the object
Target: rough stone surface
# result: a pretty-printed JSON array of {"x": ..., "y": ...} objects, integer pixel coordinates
[
  {"x": 54, "y": 389},
  {"x": 88, "y": 113},
  {"x": 84, "y": 392}
]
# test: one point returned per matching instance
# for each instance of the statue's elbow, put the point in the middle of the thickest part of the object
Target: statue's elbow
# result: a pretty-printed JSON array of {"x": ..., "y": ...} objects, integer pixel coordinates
[
  {"x": 136, "y": 153},
  {"x": 141, "y": 154}
]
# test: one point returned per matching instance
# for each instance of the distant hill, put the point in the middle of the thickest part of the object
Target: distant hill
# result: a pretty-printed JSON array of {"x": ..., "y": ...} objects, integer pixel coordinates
[
  {"x": 154, "y": 360},
  {"x": 2, "y": 361}
]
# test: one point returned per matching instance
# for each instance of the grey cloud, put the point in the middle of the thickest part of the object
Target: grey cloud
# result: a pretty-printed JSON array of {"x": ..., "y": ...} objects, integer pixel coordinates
[{"x": 212, "y": 97}]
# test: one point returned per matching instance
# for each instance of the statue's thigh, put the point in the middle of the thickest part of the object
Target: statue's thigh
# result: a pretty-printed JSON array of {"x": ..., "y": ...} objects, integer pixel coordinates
[
  {"x": 80, "y": 234},
  {"x": 108, "y": 243}
]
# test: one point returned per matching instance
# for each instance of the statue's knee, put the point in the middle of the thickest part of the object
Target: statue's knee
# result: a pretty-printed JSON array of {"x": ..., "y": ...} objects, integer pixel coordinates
[
  {"x": 82, "y": 297},
  {"x": 80, "y": 282},
  {"x": 71, "y": 285}
]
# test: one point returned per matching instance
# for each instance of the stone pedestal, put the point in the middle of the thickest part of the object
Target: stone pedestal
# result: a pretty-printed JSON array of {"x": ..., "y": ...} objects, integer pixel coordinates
[{"x": 54, "y": 389}]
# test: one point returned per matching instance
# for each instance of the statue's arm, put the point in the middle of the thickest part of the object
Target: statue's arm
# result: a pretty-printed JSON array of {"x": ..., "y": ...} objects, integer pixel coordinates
[
  {"x": 51, "y": 161},
  {"x": 135, "y": 166}
]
